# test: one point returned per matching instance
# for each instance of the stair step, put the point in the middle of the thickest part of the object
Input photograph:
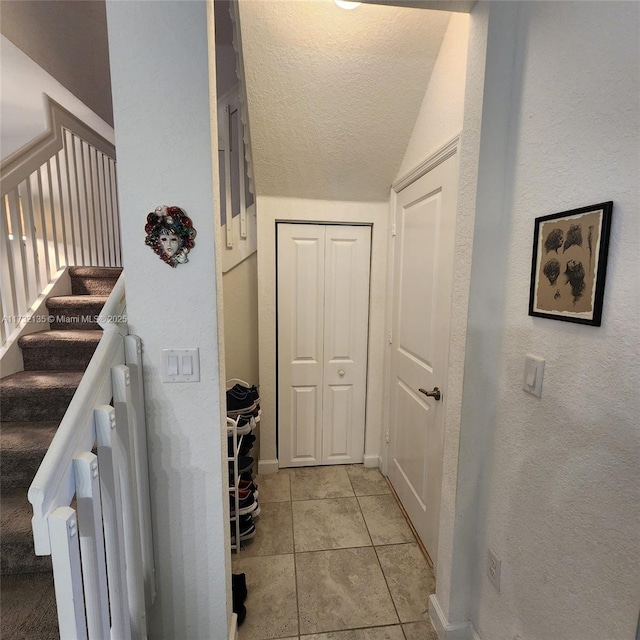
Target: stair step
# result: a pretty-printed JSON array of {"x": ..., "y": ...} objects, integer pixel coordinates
[
  {"x": 93, "y": 280},
  {"x": 28, "y": 607},
  {"x": 23, "y": 446},
  {"x": 59, "y": 350},
  {"x": 75, "y": 312},
  {"x": 37, "y": 395},
  {"x": 16, "y": 537}
]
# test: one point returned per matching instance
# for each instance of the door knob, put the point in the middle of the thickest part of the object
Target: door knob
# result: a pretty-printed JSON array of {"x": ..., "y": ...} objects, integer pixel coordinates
[
  {"x": 341, "y": 373},
  {"x": 432, "y": 394}
]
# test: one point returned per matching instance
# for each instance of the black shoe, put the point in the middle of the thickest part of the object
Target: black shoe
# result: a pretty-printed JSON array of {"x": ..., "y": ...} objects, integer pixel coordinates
[
  {"x": 245, "y": 445},
  {"x": 247, "y": 505},
  {"x": 240, "y": 392},
  {"x": 247, "y": 528},
  {"x": 241, "y": 613},
  {"x": 239, "y": 586},
  {"x": 241, "y": 398}
]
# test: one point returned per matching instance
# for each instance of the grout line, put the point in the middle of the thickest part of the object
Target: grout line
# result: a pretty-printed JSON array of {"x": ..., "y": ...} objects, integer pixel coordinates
[
  {"x": 393, "y": 602},
  {"x": 421, "y": 546},
  {"x": 295, "y": 564}
]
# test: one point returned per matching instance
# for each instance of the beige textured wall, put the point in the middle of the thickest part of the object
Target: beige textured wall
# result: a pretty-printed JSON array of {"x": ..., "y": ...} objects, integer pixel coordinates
[{"x": 240, "y": 294}]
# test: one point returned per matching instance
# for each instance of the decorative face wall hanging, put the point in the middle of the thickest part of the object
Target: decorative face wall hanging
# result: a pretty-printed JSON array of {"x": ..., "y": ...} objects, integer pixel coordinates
[{"x": 170, "y": 234}]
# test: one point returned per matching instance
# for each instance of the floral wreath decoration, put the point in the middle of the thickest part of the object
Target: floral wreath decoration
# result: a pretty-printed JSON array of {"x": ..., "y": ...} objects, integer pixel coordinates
[{"x": 170, "y": 234}]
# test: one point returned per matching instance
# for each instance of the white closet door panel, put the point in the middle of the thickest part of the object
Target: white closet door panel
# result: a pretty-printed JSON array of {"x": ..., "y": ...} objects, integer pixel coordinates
[
  {"x": 300, "y": 342},
  {"x": 304, "y": 411},
  {"x": 346, "y": 322}
]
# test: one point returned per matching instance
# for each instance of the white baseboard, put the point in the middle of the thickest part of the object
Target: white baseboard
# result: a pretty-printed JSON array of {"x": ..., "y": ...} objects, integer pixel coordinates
[
  {"x": 446, "y": 631},
  {"x": 233, "y": 630},
  {"x": 267, "y": 466},
  {"x": 371, "y": 461}
]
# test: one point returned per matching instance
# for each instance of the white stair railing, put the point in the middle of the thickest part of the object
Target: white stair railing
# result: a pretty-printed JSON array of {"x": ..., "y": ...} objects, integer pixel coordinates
[
  {"x": 59, "y": 208},
  {"x": 101, "y": 550}
]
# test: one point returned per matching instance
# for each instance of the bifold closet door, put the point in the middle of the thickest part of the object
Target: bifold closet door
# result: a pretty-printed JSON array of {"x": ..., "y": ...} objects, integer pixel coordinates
[{"x": 323, "y": 311}]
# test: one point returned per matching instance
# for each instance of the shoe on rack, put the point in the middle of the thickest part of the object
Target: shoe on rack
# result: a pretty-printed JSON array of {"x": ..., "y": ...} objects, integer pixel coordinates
[
  {"x": 247, "y": 528},
  {"x": 240, "y": 392},
  {"x": 248, "y": 505},
  {"x": 245, "y": 444},
  {"x": 245, "y": 464},
  {"x": 241, "y": 399},
  {"x": 246, "y": 424}
]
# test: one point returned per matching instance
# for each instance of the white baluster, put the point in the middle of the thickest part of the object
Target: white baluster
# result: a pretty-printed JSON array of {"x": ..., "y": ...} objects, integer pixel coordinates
[
  {"x": 32, "y": 238},
  {"x": 8, "y": 290},
  {"x": 52, "y": 217},
  {"x": 43, "y": 223},
  {"x": 70, "y": 195},
  {"x": 83, "y": 234},
  {"x": 18, "y": 254},
  {"x": 62, "y": 210},
  {"x": 67, "y": 575},
  {"x": 94, "y": 569},
  {"x": 105, "y": 421}
]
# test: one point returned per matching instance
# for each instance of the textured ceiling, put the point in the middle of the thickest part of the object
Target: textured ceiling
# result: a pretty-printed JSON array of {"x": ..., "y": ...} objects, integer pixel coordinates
[{"x": 332, "y": 94}]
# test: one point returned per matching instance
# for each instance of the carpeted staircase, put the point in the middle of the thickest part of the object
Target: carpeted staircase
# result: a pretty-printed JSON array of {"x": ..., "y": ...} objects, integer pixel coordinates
[{"x": 33, "y": 403}]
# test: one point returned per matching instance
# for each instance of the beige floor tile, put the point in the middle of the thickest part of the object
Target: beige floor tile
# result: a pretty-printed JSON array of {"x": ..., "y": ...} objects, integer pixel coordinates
[
  {"x": 274, "y": 531},
  {"x": 342, "y": 589},
  {"x": 334, "y": 523},
  {"x": 409, "y": 578},
  {"x": 274, "y": 487},
  {"x": 271, "y": 603},
  {"x": 316, "y": 483},
  {"x": 385, "y": 521},
  {"x": 422, "y": 630},
  {"x": 367, "y": 482},
  {"x": 374, "y": 633}
]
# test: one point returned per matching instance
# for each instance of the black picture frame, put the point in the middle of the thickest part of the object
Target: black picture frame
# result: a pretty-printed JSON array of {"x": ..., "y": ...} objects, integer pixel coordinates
[{"x": 569, "y": 264}]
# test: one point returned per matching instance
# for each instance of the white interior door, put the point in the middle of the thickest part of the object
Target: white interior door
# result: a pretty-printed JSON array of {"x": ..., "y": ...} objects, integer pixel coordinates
[
  {"x": 423, "y": 273},
  {"x": 323, "y": 310}
]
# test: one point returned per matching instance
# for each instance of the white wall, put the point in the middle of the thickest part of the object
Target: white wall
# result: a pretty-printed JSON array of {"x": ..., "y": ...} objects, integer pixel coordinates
[
  {"x": 550, "y": 484},
  {"x": 56, "y": 36},
  {"x": 270, "y": 210},
  {"x": 22, "y": 83},
  {"x": 241, "y": 320},
  {"x": 163, "y": 116},
  {"x": 441, "y": 113}
]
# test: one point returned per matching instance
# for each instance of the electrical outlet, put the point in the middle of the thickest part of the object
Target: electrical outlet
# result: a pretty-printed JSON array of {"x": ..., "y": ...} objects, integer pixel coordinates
[{"x": 493, "y": 568}]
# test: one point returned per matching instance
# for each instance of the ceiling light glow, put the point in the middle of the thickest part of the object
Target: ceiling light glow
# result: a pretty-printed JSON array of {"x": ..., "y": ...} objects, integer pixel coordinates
[{"x": 347, "y": 4}]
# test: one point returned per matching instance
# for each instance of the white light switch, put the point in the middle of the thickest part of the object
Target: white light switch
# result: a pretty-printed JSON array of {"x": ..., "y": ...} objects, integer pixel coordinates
[
  {"x": 533, "y": 373},
  {"x": 180, "y": 365}
]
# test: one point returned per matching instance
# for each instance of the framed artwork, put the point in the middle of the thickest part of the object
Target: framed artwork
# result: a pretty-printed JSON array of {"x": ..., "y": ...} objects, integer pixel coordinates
[{"x": 569, "y": 264}]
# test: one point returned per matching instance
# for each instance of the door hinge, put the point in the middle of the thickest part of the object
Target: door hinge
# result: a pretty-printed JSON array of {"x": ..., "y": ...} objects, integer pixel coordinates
[
  {"x": 390, "y": 337},
  {"x": 393, "y": 227},
  {"x": 386, "y": 437}
]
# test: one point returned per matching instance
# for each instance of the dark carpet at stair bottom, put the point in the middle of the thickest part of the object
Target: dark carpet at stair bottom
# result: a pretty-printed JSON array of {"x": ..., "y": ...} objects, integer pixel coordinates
[
  {"x": 34, "y": 618},
  {"x": 33, "y": 403}
]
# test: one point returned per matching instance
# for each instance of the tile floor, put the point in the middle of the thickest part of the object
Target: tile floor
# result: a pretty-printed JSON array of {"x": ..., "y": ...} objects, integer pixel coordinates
[{"x": 333, "y": 559}]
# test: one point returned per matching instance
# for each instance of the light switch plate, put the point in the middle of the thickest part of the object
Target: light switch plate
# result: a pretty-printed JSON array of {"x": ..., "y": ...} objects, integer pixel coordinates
[
  {"x": 180, "y": 365},
  {"x": 533, "y": 374}
]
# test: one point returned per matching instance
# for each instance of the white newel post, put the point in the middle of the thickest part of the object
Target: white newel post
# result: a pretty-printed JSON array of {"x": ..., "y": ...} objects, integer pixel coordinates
[
  {"x": 105, "y": 421},
  {"x": 94, "y": 569},
  {"x": 67, "y": 575}
]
